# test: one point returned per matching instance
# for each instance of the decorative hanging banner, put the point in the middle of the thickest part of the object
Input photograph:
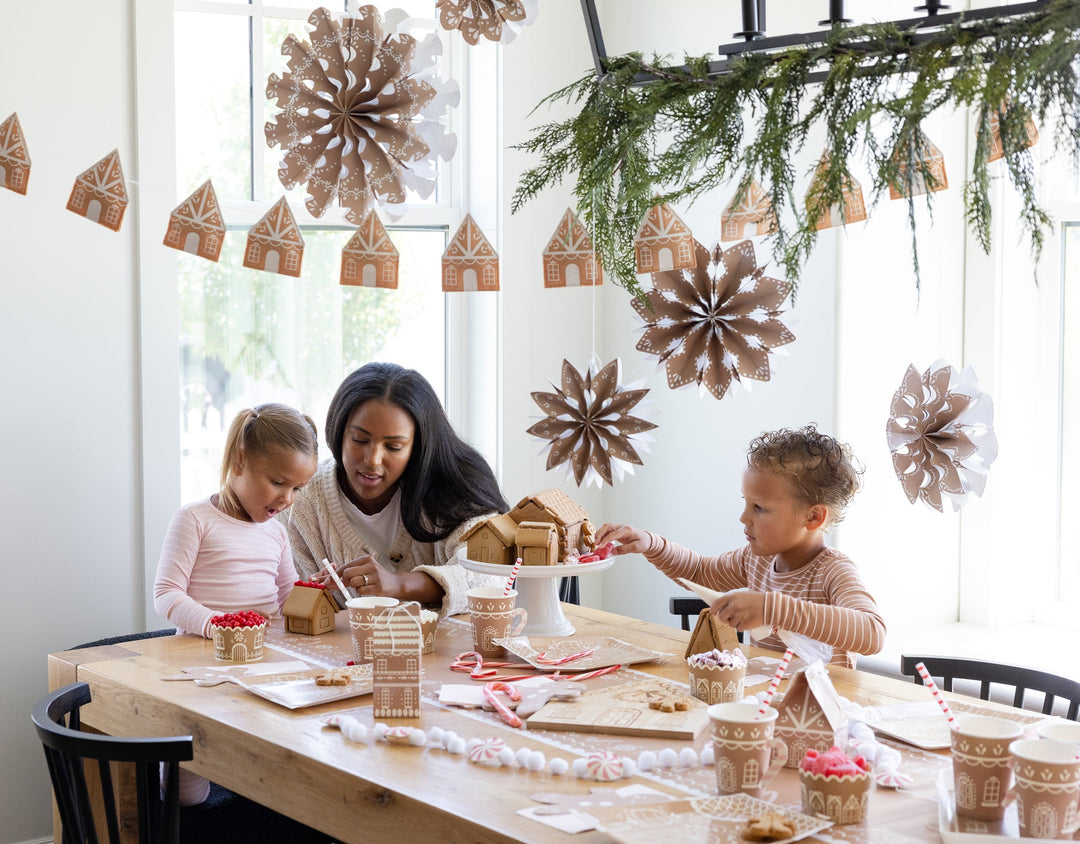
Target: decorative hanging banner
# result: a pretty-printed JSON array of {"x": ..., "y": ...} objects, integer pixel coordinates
[
  {"x": 916, "y": 156},
  {"x": 14, "y": 156},
  {"x": 997, "y": 148},
  {"x": 274, "y": 244},
  {"x": 589, "y": 426},
  {"x": 941, "y": 435},
  {"x": 663, "y": 242},
  {"x": 716, "y": 324},
  {"x": 362, "y": 113},
  {"x": 495, "y": 20},
  {"x": 99, "y": 193},
  {"x": 569, "y": 259},
  {"x": 852, "y": 209},
  {"x": 196, "y": 225},
  {"x": 470, "y": 261},
  {"x": 370, "y": 258},
  {"x": 752, "y": 217}
]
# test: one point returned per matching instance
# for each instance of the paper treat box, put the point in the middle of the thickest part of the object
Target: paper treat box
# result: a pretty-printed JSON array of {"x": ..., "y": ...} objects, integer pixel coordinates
[
  {"x": 309, "y": 610},
  {"x": 811, "y": 716},
  {"x": 396, "y": 647}
]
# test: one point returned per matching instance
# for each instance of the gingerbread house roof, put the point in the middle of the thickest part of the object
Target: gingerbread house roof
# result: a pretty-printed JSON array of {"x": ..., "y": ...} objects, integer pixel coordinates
[
  {"x": 570, "y": 239},
  {"x": 370, "y": 241},
  {"x": 13, "y": 152},
  {"x": 105, "y": 182},
  {"x": 661, "y": 223},
  {"x": 503, "y": 526},
  {"x": 756, "y": 206},
  {"x": 277, "y": 227},
  {"x": 469, "y": 245},
  {"x": 563, "y": 509}
]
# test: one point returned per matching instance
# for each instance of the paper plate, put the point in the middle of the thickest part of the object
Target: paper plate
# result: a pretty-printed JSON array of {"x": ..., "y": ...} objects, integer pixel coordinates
[
  {"x": 606, "y": 651},
  {"x": 298, "y": 689},
  {"x": 923, "y": 725}
]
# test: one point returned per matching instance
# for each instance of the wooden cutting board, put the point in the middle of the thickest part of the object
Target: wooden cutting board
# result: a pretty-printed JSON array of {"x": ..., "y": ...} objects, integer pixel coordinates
[{"x": 624, "y": 710}]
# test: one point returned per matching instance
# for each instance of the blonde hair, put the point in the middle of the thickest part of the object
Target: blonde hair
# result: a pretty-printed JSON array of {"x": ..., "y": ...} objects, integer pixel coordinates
[
  {"x": 821, "y": 469},
  {"x": 258, "y": 430}
]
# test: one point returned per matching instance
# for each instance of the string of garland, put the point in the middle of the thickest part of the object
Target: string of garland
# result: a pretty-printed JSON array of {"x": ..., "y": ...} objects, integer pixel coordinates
[{"x": 683, "y": 133}]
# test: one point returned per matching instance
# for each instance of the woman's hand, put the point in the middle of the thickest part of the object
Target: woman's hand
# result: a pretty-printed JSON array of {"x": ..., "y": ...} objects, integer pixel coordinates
[
  {"x": 742, "y": 609},
  {"x": 630, "y": 540},
  {"x": 367, "y": 577}
]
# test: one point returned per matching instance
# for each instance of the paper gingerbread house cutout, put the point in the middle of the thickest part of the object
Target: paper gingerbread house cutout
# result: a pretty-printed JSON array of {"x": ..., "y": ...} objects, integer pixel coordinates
[
  {"x": 663, "y": 242},
  {"x": 469, "y": 262},
  {"x": 569, "y": 259},
  {"x": 309, "y": 610},
  {"x": 196, "y": 225},
  {"x": 571, "y": 521},
  {"x": 537, "y": 544},
  {"x": 99, "y": 193},
  {"x": 396, "y": 647},
  {"x": 14, "y": 156},
  {"x": 492, "y": 540},
  {"x": 996, "y": 150},
  {"x": 853, "y": 208},
  {"x": 926, "y": 151},
  {"x": 711, "y": 633},
  {"x": 370, "y": 258},
  {"x": 752, "y": 217},
  {"x": 811, "y": 715},
  {"x": 274, "y": 244}
]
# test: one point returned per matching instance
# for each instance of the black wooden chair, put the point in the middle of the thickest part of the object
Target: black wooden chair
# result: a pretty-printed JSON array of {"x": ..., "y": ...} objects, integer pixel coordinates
[
  {"x": 686, "y": 608},
  {"x": 989, "y": 673},
  {"x": 568, "y": 590}
]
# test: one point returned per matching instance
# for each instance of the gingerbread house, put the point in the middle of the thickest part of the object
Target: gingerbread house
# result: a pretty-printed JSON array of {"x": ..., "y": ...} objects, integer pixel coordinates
[
  {"x": 663, "y": 242},
  {"x": 811, "y": 715},
  {"x": 370, "y": 259},
  {"x": 14, "y": 156},
  {"x": 469, "y": 262},
  {"x": 396, "y": 647},
  {"x": 196, "y": 225},
  {"x": 753, "y": 216},
  {"x": 99, "y": 193},
  {"x": 711, "y": 633},
  {"x": 995, "y": 151},
  {"x": 569, "y": 259},
  {"x": 923, "y": 153},
  {"x": 309, "y": 610},
  {"x": 537, "y": 544},
  {"x": 492, "y": 540},
  {"x": 851, "y": 210},
  {"x": 274, "y": 244},
  {"x": 571, "y": 521}
]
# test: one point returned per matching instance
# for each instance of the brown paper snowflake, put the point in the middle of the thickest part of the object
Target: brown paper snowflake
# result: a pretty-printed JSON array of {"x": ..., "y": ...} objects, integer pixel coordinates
[
  {"x": 495, "y": 20},
  {"x": 715, "y": 324},
  {"x": 589, "y": 425},
  {"x": 941, "y": 436},
  {"x": 360, "y": 114}
]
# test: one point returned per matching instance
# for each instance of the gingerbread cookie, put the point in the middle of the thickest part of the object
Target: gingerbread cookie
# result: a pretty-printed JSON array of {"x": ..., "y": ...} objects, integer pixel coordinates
[
  {"x": 669, "y": 703},
  {"x": 768, "y": 827},
  {"x": 333, "y": 677}
]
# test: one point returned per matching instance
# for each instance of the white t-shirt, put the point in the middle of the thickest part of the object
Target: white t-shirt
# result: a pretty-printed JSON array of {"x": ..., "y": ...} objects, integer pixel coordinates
[{"x": 380, "y": 529}]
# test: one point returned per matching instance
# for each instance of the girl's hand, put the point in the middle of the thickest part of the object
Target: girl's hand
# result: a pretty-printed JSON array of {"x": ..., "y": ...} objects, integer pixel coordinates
[
  {"x": 630, "y": 540},
  {"x": 741, "y": 609}
]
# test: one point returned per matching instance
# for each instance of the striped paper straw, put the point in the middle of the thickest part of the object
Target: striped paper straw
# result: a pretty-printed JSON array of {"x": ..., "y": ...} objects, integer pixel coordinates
[
  {"x": 513, "y": 577},
  {"x": 928, "y": 681},
  {"x": 775, "y": 683}
]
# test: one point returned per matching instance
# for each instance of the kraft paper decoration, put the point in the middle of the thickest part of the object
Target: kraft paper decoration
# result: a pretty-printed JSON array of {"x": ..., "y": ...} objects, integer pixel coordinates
[
  {"x": 495, "y": 20},
  {"x": 851, "y": 210},
  {"x": 14, "y": 156},
  {"x": 752, "y": 217},
  {"x": 996, "y": 150},
  {"x": 370, "y": 259},
  {"x": 717, "y": 323},
  {"x": 396, "y": 648},
  {"x": 469, "y": 262},
  {"x": 918, "y": 152},
  {"x": 196, "y": 224},
  {"x": 274, "y": 244},
  {"x": 569, "y": 259},
  {"x": 589, "y": 425},
  {"x": 941, "y": 435},
  {"x": 663, "y": 242},
  {"x": 99, "y": 193},
  {"x": 362, "y": 113}
]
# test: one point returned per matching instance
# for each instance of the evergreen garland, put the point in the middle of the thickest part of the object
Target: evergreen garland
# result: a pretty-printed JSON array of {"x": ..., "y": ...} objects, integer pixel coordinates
[{"x": 681, "y": 133}]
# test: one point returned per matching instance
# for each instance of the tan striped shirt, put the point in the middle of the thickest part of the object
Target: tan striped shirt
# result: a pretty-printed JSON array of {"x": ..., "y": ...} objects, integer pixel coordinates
[{"x": 824, "y": 600}]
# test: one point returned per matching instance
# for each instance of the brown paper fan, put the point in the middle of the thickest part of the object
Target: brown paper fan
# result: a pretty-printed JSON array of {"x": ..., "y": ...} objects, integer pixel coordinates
[
  {"x": 274, "y": 244},
  {"x": 14, "y": 156},
  {"x": 370, "y": 258},
  {"x": 99, "y": 193},
  {"x": 569, "y": 259},
  {"x": 196, "y": 225},
  {"x": 470, "y": 262},
  {"x": 663, "y": 242},
  {"x": 495, "y": 20},
  {"x": 589, "y": 426},
  {"x": 716, "y": 324}
]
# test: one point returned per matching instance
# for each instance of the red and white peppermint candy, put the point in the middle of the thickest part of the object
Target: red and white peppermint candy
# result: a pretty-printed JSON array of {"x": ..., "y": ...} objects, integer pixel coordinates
[
  {"x": 892, "y": 779},
  {"x": 486, "y": 751},
  {"x": 604, "y": 766}
]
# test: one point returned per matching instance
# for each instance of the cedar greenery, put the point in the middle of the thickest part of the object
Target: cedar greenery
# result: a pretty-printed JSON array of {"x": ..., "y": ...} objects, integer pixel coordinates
[{"x": 682, "y": 133}]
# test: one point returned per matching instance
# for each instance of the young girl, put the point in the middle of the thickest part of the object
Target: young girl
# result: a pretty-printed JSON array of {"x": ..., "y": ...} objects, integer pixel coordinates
[
  {"x": 796, "y": 486},
  {"x": 228, "y": 552}
]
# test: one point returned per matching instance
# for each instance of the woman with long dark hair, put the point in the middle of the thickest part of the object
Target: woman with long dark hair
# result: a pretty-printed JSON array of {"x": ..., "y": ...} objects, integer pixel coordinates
[{"x": 390, "y": 508}]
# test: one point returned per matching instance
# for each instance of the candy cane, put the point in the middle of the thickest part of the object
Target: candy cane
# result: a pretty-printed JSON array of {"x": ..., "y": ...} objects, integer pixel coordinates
[
  {"x": 544, "y": 659},
  {"x": 588, "y": 675},
  {"x": 928, "y": 681},
  {"x": 474, "y": 664},
  {"x": 491, "y": 691},
  {"x": 775, "y": 683}
]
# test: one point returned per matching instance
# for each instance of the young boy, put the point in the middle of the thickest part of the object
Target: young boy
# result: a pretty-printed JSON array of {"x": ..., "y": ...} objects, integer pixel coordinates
[{"x": 796, "y": 486}]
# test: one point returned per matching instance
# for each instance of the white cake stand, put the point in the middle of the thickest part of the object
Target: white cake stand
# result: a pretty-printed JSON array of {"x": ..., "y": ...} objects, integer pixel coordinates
[{"x": 538, "y": 592}]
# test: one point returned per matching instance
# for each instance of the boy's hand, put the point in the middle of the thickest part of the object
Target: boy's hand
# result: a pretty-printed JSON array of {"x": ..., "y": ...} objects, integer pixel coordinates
[
  {"x": 630, "y": 540},
  {"x": 742, "y": 609}
]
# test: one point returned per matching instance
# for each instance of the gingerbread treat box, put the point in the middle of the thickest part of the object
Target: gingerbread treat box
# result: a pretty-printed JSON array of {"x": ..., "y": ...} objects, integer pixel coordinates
[{"x": 397, "y": 644}]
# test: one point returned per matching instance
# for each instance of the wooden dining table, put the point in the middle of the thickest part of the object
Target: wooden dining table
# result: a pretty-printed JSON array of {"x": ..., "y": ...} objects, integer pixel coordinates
[{"x": 372, "y": 790}]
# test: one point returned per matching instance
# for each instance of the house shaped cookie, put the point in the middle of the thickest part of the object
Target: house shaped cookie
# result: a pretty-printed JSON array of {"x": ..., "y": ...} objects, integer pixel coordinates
[
  {"x": 99, "y": 193},
  {"x": 370, "y": 259},
  {"x": 492, "y": 540},
  {"x": 569, "y": 259},
  {"x": 663, "y": 242},
  {"x": 274, "y": 244},
  {"x": 196, "y": 224},
  {"x": 309, "y": 610},
  {"x": 469, "y": 262},
  {"x": 396, "y": 647},
  {"x": 810, "y": 715},
  {"x": 14, "y": 156},
  {"x": 752, "y": 217}
]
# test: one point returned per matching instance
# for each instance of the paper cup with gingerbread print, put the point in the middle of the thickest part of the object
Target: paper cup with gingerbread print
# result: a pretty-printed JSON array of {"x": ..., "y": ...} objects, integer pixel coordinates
[
  {"x": 494, "y": 616},
  {"x": 746, "y": 755},
  {"x": 362, "y": 614},
  {"x": 717, "y": 683},
  {"x": 1047, "y": 787},
  {"x": 982, "y": 766}
]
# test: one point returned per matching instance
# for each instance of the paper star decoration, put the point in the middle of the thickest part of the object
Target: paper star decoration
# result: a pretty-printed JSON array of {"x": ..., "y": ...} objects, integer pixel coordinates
[
  {"x": 361, "y": 113},
  {"x": 941, "y": 435},
  {"x": 715, "y": 324},
  {"x": 495, "y": 20},
  {"x": 589, "y": 425}
]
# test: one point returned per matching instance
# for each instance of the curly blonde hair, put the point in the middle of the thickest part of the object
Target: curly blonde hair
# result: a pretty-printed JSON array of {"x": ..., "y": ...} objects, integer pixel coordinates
[{"x": 822, "y": 470}]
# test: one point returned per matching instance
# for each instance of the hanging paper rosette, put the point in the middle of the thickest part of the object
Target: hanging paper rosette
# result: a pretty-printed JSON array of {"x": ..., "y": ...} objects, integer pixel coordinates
[
  {"x": 589, "y": 425},
  {"x": 495, "y": 20},
  {"x": 362, "y": 112},
  {"x": 941, "y": 435}
]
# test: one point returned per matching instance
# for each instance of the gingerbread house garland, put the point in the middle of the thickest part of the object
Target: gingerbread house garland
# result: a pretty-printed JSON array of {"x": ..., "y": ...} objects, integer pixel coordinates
[
  {"x": 851, "y": 210},
  {"x": 309, "y": 610},
  {"x": 274, "y": 243},
  {"x": 99, "y": 193},
  {"x": 370, "y": 258},
  {"x": 396, "y": 647},
  {"x": 196, "y": 225},
  {"x": 996, "y": 150},
  {"x": 469, "y": 263},
  {"x": 811, "y": 715},
  {"x": 569, "y": 259},
  {"x": 663, "y": 242},
  {"x": 752, "y": 217},
  {"x": 14, "y": 156},
  {"x": 923, "y": 152}
]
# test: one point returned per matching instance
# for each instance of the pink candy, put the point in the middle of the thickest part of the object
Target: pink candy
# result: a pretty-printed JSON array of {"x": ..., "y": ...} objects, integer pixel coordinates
[
  {"x": 717, "y": 657},
  {"x": 833, "y": 763}
]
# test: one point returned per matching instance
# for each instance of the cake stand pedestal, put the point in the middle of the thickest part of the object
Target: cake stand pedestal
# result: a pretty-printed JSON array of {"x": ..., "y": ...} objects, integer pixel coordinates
[{"x": 538, "y": 592}]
